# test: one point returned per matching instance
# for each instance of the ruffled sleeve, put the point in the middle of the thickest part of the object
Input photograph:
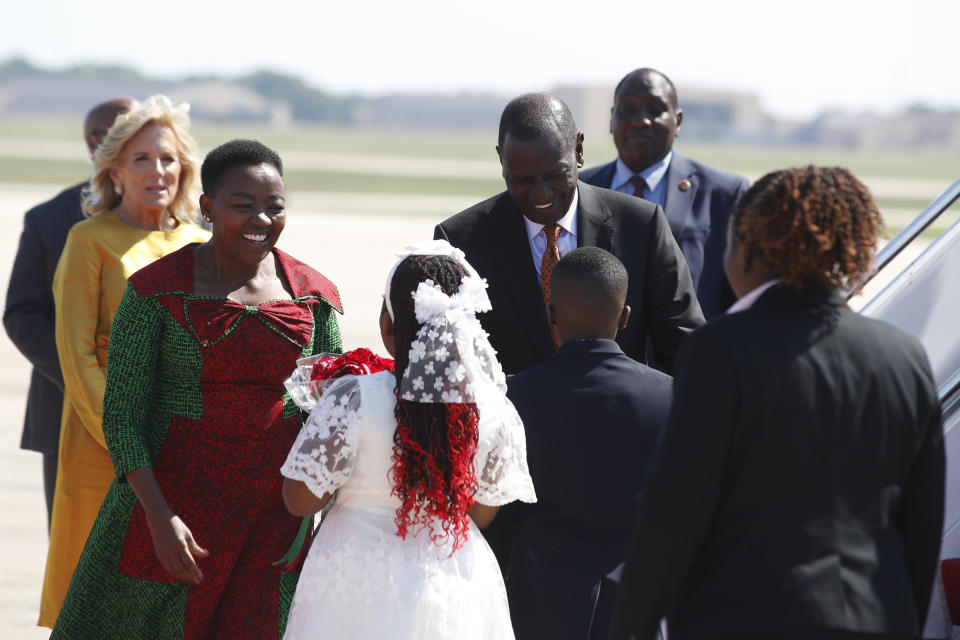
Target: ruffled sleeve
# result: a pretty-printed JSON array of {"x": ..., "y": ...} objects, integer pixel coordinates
[
  {"x": 325, "y": 452},
  {"x": 502, "y": 473}
]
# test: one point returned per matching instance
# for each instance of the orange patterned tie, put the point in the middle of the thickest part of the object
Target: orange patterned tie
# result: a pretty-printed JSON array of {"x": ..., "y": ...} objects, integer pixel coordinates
[{"x": 550, "y": 258}]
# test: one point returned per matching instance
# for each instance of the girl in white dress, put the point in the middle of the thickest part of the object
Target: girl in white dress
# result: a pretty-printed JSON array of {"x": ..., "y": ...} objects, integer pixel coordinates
[{"x": 419, "y": 459}]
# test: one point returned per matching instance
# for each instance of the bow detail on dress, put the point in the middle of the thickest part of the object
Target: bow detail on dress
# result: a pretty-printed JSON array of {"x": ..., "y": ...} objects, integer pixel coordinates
[{"x": 212, "y": 319}]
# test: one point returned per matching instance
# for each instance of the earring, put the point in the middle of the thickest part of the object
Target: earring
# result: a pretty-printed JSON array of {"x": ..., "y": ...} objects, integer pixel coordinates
[
  {"x": 119, "y": 189},
  {"x": 207, "y": 217}
]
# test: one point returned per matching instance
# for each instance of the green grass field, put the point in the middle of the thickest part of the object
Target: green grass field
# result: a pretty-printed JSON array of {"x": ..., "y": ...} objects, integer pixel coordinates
[{"x": 476, "y": 149}]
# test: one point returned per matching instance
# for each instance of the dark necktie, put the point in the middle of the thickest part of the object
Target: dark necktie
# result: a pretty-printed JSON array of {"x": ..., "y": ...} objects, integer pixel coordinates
[
  {"x": 550, "y": 258},
  {"x": 638, "y": 184}
]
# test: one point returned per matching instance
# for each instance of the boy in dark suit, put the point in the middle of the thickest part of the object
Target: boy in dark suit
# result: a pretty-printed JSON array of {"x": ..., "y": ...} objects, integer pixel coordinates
[{"x": 593, "y": 418}]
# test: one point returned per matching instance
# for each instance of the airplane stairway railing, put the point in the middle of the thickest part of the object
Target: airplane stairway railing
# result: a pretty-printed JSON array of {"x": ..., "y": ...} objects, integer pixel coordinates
[
  {"x": 923, "y": 299},
  {"x": 917, "y": 226}
]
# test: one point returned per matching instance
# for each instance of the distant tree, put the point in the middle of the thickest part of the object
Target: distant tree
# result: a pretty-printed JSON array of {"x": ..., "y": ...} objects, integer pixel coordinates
[
  {"x": 18, "y": 68},
  {"x": 102, "y": 72},
  {"x": 306, "y": 102}
]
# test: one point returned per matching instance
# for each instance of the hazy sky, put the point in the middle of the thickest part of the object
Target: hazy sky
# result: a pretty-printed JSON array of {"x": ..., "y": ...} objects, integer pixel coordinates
[{"x": 798, "y": 57}]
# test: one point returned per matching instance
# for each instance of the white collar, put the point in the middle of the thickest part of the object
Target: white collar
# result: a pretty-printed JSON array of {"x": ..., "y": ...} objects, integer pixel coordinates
[
  {"x": 747, "y": 301},
  {"x": 652, "y": 174},
  {"x": 568, "y": 222}
]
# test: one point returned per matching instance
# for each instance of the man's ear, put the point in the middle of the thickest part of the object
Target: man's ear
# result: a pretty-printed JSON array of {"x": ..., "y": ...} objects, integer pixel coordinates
[
  {"x": 92, "y": 144},
  {"x": 679, "y": 117},
  {"x": 624, "y": 317},
  {"x": 499, "y": 154},
  {"x": 612, "y": 110},
  {"x": 579, "y": 148}
]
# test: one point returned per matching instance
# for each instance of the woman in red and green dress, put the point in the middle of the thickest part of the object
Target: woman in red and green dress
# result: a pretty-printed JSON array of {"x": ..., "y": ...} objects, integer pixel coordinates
[{"x": 198, "y": 424}]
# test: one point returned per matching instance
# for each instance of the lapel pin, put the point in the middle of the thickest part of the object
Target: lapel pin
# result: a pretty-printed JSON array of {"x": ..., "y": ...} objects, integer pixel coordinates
[{"x": 685, "y": 185}]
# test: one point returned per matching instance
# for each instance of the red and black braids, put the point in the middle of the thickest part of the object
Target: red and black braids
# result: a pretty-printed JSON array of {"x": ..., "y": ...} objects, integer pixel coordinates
[{"x": 435, "y": 443}]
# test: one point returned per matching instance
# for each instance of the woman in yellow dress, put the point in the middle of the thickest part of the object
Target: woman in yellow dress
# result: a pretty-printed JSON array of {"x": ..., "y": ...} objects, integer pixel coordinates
[{"x": 141, "y": 206}]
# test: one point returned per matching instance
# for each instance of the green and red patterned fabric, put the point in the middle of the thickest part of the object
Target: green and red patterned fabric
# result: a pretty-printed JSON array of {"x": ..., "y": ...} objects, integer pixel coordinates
[{"x": 195, "y": 390}]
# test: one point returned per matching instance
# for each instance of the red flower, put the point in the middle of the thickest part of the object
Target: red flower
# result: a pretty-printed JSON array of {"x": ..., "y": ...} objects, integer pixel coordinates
[{"x": 357, "y": 362}]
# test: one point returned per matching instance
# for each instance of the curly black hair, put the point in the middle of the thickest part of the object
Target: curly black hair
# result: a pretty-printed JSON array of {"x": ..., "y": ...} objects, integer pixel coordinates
[{"x": 810, "y": 225}]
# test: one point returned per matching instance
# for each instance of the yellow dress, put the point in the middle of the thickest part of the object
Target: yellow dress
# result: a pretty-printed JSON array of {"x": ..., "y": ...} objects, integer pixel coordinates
[{"x": 99, "y": 256}]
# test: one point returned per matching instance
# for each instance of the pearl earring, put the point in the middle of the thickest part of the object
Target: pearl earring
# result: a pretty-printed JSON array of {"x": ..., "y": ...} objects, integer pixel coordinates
[{"x": 119, "y": 188}]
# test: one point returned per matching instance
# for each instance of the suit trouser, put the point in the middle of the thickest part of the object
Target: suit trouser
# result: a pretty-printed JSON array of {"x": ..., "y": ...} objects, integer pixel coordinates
[{"x": 49, "y": 481}]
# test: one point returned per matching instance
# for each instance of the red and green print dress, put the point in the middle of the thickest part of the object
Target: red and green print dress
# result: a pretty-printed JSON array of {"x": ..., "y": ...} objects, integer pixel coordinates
[{"x": 195, "y": 390}]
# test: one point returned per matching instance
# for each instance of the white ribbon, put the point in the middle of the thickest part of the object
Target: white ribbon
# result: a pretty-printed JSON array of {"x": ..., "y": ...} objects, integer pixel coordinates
[{"x": 426, "y": 248}]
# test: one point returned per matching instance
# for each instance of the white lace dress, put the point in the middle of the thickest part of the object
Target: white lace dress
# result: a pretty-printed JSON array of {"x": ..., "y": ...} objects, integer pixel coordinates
[{"x": 361, "y": 580}]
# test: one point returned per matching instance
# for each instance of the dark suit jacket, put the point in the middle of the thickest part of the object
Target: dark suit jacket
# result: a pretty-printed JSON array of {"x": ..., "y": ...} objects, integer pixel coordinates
[
  {"x": 660, "y": 293},
  {"x": 800, "y": 483},
  {"x": 698, "y": 220},
  {"x": 28, "y": 317},
  {"x": 593, "y": 418}
]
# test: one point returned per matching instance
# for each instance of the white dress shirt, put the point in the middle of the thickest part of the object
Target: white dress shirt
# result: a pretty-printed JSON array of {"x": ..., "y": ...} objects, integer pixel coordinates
[
  {"x": 566, "y": 241},
  {"x": 747, "y": 301}
]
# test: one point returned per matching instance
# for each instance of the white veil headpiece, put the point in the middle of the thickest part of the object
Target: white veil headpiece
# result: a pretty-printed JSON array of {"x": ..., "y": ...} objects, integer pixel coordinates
[{"x": 451, "y": 359}]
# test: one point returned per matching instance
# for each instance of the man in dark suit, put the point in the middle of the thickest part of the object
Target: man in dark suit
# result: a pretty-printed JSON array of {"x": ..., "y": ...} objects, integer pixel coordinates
[
  {"x": 28, "y": 316},
  {"x": 592, "y": 417},
  {"x": 798, "y": 491},
  {"x": 506, "y": 238},
  {"x": 696, "y": 198}
]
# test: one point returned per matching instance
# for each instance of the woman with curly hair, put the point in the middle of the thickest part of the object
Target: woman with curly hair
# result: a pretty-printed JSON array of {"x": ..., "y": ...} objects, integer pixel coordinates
[
  {"x": 799, "y": 487},
  {"x": 418, "y": 458}
]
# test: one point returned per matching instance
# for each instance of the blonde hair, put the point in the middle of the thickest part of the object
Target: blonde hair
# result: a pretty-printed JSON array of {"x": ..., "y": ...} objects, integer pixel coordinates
[{"x": 101, "y": 194}]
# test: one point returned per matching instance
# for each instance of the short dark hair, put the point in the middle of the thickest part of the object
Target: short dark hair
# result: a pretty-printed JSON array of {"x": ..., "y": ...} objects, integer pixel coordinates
[
  {"x": 593, "y": 275},
  {"x": 645, "y": 72},
  {"x": 236, "y": 153},
  {"x": 535, "y": 115}
]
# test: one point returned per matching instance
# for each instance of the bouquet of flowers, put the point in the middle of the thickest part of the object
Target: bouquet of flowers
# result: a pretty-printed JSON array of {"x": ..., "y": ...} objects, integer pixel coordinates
[{"x": 315, "y": 373}]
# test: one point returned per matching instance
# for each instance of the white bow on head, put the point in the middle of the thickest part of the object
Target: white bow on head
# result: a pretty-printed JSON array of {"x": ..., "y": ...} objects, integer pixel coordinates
[
  {"x": 451, "y": 359},
  {"x": 426, "y": 248}
]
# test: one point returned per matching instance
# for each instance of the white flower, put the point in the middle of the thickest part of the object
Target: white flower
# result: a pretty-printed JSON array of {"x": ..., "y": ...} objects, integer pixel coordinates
[
  {"x": 438, "y": 384},
  {"x": 446, "y": 337},
  {"x": 433, "y": 333},
  {"x": 428, "y": 367},
  {"x": 438, "y": 355},
  {"x": 408, "y": 396},
  {"x": 455, "y": 371},
  {"x": 417, "y": 351},
  {"x": 450, "y": 396},
  {"x": 418, "y": 383},
  {"x": 426, "y": 397}
]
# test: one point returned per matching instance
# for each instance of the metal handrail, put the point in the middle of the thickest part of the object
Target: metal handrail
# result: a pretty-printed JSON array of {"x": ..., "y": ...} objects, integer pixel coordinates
[
  {"x": 918, "y": 225},
  {"x": 948, "y": 388}
]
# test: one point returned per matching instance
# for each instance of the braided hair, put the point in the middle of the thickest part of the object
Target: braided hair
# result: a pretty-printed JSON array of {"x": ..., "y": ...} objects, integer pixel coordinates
[
  {"x": 810, "y": 225},
  {"x": 435, "y": 443}
]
